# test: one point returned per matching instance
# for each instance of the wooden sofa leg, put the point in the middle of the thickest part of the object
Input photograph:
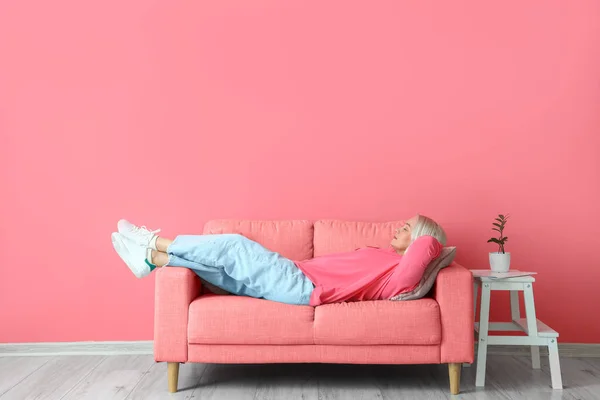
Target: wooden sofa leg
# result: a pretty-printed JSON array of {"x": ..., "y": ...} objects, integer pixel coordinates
[
  {"x": 454, "y": 372},
  {"x": 173, "y": 373}
]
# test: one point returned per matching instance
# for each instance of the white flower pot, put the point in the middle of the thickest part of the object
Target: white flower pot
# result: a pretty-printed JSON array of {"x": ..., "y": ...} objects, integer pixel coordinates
[{"x": 500, "y": 262}]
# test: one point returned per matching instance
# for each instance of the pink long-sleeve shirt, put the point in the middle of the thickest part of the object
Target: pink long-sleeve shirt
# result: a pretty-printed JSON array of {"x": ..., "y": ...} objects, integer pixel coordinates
[{"x": 369, "y": 273}]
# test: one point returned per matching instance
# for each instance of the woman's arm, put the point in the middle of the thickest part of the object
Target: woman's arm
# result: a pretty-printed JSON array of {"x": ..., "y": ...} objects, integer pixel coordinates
[{"x": 409, "y": 271}]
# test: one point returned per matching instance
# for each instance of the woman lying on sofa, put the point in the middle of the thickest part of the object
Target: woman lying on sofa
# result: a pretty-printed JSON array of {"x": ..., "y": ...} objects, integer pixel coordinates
[{"x": 241, "y": 266}]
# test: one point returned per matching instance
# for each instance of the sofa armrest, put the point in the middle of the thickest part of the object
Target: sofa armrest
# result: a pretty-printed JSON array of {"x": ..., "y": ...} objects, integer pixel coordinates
[
  {"x": 454, "y": 294},
  {"x": 175, "y": 289}
]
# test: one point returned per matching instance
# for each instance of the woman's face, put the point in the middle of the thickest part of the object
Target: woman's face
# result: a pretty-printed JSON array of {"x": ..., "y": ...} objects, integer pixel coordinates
[{"x": 401, "y": 238}]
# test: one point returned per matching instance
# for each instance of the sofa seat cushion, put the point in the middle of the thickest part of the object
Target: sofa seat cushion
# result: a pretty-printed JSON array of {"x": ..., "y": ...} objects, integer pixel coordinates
[
  {"x": 377, "y": 322},
  {"x": 218, "y": 319}
]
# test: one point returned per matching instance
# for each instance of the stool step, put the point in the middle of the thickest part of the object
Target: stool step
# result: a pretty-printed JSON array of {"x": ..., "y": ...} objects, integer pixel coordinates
[
  {"x": 519, "y": 325},
  {"x": 500, "y": 326},
  {"x": 543, "y": 329}
]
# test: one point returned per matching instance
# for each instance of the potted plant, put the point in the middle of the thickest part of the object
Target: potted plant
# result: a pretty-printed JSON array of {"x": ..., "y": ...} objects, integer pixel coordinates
[{"x": 500, "y": 261}]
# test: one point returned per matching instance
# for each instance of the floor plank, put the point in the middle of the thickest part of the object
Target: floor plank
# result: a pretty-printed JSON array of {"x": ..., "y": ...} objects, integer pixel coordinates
[
  {"x": 139, "y": 377},
  {"x": 593, "y": 363},
  {"x": 346, "y": 381},
  {"x": 468, "y": 390},
  {"x": 514, "y": 378},
  {"x": 580, "y": 379},
  {"x": 114, "y": 378},
  {"x": 406, "y": 381},
  {"x": 13, "y": 370},
  {"x": 54, "y": 378},
  {"x": 228, "y": 381},
  {"x": 153, "y": 385},
  {"x": 283, "y": 381}
]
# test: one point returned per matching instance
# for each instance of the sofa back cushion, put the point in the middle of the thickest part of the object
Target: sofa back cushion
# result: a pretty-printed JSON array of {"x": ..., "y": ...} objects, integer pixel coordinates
[
  {"x": 334, "y": 236},
  {"x": 290, "y": 238}
]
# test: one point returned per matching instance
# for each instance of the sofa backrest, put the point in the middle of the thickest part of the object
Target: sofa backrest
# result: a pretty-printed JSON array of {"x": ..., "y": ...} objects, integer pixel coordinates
[
  {"x": 333, "y": 236},
  {"x": 290, "y": 238},
  {"x": 302, "y": 239}
]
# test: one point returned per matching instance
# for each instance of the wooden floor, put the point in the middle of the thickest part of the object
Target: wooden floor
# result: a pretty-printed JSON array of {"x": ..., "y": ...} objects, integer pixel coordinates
[{"x": 139, "y": 377}]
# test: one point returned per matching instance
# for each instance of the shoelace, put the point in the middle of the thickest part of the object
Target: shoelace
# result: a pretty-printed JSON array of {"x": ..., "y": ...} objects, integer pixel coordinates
[{"x": 145, "y": 230}]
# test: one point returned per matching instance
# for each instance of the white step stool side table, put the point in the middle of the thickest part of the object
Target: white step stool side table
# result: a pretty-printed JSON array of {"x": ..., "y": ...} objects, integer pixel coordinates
[{"x": 538, "y": 333}]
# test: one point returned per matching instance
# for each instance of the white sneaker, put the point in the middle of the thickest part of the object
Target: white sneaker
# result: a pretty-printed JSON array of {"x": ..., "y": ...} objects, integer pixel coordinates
[
  {"x": 138, "y": 234},
  {"x": 133, "y": 255}
]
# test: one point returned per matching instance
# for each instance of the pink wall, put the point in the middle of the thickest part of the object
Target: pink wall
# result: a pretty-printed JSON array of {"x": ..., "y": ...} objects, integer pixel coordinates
[{"x": 171, "y": 113}]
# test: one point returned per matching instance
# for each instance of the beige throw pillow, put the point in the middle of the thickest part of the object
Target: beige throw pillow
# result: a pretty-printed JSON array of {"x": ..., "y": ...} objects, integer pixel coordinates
[{"x": 443, "y": 260}]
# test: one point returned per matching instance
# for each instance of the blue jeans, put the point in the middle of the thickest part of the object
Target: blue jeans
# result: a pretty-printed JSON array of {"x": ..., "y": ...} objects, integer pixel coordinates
[{"x": 241, "y": 266}]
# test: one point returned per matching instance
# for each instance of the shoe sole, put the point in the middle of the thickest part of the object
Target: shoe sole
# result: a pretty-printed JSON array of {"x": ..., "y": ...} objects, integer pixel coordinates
[{"x": 122, "y": 251}]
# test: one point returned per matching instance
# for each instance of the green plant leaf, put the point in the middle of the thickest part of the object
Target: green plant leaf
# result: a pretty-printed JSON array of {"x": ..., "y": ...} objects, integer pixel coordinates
[
  {"x": 505, "y": 238},
  {"x": 494, "y": 240},
  {"x": 498, "y": 225},
  {"x": 501, "y": 216},
  {"x": 496, "y": 229}
]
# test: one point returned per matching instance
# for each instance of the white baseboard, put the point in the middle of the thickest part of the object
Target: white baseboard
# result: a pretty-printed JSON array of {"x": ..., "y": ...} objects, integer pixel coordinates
[
  {"x": 564, "y": 350},
  {"x": 75, "y": 348},
  {"x": 145, "y": 347}
]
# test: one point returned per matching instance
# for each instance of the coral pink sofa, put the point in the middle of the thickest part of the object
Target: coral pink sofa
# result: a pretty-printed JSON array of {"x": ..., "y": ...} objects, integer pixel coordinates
[{"x": 195, "y": 325}]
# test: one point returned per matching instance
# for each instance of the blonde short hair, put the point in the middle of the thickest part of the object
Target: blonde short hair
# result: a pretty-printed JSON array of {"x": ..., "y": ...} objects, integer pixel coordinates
[{"x": 427, "y": 226}]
